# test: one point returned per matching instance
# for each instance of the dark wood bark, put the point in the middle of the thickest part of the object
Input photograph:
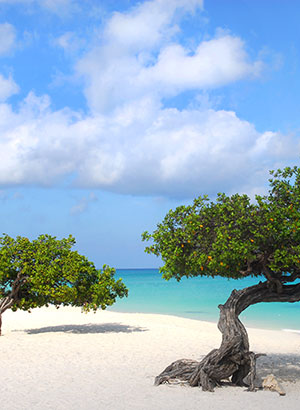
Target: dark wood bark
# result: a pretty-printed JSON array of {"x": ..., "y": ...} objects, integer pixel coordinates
[
  {"x": 12, "y": 297},
  {"x": 5, "y": 303},
  {"x": 232, "y": 360}
]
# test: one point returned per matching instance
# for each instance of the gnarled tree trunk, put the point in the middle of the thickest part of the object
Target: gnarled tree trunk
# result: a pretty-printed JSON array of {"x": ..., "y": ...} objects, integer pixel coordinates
[
  {"x": 5, "y": 303},
  {"x": 233, "y": 359}
]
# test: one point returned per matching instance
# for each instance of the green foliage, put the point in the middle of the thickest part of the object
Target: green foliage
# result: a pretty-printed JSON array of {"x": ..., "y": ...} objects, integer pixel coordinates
[
  {"x": 46, "y": 271},
  {"x": 233, "y": 237}
]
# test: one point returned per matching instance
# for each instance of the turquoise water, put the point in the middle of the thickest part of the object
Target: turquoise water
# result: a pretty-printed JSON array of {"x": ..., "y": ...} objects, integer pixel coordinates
[{"x": 198, "y": 298}]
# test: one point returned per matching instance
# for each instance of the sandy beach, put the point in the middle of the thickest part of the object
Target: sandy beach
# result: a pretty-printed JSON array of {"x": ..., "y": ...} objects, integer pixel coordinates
[{"x": 64, "y": 359}]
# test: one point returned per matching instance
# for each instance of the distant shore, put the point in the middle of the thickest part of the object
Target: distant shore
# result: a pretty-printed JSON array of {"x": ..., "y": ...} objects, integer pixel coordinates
[{"x": 64, "y": 359}]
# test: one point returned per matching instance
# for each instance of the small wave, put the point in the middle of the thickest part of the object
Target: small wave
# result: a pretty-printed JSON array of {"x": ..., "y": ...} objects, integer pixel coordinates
[{"x": 291, "y": 330}]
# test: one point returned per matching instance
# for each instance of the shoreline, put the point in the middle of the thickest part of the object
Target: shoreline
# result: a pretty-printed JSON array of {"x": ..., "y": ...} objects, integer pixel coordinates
[
  {"x": 64, "y": 359},
  {"x": 197, "y": 298},
  {"x": 252, "y": 325}
]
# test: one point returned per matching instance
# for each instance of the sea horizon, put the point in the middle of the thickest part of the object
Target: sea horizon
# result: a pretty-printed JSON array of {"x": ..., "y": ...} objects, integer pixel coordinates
[{"x": 198, "y": 298}]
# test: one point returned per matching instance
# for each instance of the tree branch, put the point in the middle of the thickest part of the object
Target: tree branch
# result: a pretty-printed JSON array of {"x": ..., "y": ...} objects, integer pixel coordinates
[{"x": 263, "y": 293}]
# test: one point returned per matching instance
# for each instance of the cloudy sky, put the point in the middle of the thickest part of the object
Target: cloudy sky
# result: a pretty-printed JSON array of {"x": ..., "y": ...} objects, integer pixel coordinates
[{"x": 113, "y": 112}]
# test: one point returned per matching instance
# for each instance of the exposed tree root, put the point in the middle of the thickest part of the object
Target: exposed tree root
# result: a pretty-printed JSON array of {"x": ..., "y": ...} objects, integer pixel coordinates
[{"x": 233, "y": 360}]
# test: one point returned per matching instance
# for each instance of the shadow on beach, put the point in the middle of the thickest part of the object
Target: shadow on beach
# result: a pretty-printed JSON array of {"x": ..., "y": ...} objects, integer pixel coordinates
[
  {"x": 285, "y": 367},
  {"x": 87, "y": 328}
]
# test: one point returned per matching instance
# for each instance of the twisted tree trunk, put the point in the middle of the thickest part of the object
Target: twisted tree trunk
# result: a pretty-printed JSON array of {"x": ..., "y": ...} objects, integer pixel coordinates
[
  {"x": 233, "y": 359},
  {"x": 5, "y": 303}
]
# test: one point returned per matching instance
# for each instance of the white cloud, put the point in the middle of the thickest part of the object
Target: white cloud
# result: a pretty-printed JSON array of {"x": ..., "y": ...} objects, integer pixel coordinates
[
  {"x": 7, "y": 87},
  {"x": 142, "y": 149},
  {"x": 7, "y": 38},
  {"x": 147, "y": 24},
  {"x": 138, "y": 56},
  {"x": 216, "y": 62},
  {"x": 130, "y": 142}
]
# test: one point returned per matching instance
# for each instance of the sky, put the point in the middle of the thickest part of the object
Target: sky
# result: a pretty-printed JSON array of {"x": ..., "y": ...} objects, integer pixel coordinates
[{"x": 114, "y": 112}]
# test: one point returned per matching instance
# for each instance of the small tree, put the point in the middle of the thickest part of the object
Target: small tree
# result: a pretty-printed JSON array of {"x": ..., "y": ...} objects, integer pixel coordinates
[
  {"x": 234, "y": 238},
  {"x": 46, "y": 271}
]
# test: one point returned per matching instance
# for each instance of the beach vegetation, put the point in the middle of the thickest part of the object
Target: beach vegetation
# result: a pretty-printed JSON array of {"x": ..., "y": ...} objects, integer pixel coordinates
[
  {"x": 46, "y": 271},
  {"x": 234, "y": 237}
]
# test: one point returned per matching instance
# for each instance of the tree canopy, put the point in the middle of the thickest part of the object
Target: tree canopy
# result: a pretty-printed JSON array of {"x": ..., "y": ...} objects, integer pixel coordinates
[
  {"x": 46, "y": 271},
  {"x": 234, "y": 237}
]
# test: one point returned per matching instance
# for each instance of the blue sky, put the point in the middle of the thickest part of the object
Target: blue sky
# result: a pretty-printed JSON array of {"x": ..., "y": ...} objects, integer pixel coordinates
[{"x": 111, "y": 113}]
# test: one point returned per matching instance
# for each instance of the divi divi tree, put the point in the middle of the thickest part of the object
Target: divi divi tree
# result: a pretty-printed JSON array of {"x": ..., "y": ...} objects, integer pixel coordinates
[
  {"x": 46, "y": 272},
  {"x": 234, "y": 238}
]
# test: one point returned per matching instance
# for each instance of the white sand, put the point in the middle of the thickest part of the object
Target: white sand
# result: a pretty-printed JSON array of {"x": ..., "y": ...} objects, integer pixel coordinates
[{"x": 63, "y": 359}]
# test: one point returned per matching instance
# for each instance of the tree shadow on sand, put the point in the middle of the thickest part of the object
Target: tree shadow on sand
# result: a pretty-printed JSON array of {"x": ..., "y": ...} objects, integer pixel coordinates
[
  {"x": 87, "y": 328},
  {"x": 285, "y": 367}
]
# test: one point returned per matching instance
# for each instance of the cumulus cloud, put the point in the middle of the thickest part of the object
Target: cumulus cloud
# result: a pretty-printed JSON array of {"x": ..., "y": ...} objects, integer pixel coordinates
[
  {"x": 130, "y": 142},
  {"x": 214, "y": 63},
  {"x": 7, "y": 38},
  {"x": 138, "y": 55},
  {"x": 142, "y": 149},
  {"x": 146, "y": 25}
]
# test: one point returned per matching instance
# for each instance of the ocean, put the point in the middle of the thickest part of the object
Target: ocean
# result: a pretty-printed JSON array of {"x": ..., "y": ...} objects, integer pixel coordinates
[{"x": 198, "y": 298}]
